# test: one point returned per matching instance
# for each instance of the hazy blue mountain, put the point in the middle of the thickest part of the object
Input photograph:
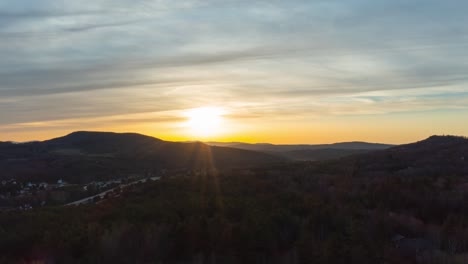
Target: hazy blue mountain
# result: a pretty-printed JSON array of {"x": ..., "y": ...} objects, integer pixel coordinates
[
  {"x": 322, "y": 154},
  {"x": 308, "y": 152},
  {"x": 283, "y": 148}
]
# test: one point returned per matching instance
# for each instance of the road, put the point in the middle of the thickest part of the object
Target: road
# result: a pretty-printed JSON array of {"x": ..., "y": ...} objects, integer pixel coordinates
[{"x": 103, "y": 194}]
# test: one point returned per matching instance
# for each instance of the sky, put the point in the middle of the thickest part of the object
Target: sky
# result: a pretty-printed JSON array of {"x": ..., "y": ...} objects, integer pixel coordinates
[{"x": 315, "y": 71}]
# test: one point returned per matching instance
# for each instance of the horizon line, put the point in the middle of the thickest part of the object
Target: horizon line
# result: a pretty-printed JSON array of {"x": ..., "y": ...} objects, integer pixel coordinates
[{"x": 207, "y": 141}]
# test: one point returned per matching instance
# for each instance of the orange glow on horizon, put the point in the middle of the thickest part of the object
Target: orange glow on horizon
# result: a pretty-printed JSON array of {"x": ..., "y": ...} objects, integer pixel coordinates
[{"x": 209, "y": 125}]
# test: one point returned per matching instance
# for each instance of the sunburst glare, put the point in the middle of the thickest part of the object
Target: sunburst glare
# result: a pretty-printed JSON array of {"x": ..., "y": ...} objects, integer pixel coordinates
[{"x": 204, "y": 122}]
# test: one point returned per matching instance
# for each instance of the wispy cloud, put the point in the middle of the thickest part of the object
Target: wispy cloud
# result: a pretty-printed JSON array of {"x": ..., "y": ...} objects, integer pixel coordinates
[{"x": 261, "y": 59}]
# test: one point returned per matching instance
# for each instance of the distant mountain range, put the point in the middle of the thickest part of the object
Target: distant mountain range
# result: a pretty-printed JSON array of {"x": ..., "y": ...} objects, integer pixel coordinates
[
  {"x": 308, "y": 152},
  {"x": 86, "y": 156},
  {"x": 283, "y": 148}
]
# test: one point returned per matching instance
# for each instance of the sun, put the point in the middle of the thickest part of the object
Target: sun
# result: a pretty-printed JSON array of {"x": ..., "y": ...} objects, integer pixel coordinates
[{"x": 204, "y": 122}]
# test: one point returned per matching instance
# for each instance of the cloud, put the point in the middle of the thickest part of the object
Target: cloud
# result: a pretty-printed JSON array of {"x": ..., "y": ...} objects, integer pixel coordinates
[{"x": 262, "y": 59}]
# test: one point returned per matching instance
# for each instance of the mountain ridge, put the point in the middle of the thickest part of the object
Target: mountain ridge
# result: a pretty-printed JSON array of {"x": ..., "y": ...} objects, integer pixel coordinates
[
  {"x": 292, "y": 147},
  {"x": 86, "y": 156},
  {"x": 435, "y": 155}
]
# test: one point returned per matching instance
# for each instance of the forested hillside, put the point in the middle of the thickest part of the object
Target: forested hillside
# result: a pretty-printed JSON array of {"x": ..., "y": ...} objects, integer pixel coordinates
[
  {"x": 83, "y": 157},
  {"x": 353, "y": 210}
]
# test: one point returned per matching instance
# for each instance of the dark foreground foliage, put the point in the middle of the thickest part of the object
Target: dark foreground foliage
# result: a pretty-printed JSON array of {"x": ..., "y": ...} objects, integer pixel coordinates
[
  {"x": 206, "y": 219},
  {"x": 396, "y": 206}
]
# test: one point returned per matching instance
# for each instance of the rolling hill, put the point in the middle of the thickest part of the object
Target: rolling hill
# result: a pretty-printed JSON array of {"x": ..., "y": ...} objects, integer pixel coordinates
[
  {"x": 87, "y": 156},
  {"x": 436, "y": 155}
]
